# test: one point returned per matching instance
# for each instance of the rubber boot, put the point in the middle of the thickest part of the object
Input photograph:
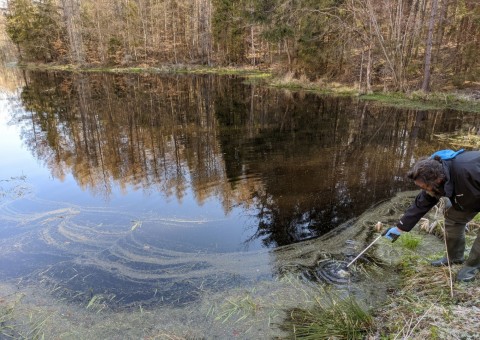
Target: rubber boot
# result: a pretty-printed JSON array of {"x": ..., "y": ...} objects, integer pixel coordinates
[
  {"x": 467, "y": 274},
  {"x": 444, "y": 262},
  {"x": 455, "y": 239},
  {"x": 455, "y": 222},
  {"x": 472, "y": 265}
]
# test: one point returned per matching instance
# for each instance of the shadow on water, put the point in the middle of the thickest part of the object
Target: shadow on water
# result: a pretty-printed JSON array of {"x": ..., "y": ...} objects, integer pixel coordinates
[{"x": 295, "y": 170}]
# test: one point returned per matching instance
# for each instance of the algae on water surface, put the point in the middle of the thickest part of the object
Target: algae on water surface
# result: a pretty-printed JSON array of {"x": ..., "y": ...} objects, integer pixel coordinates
[{"x": 90, "y": 273}]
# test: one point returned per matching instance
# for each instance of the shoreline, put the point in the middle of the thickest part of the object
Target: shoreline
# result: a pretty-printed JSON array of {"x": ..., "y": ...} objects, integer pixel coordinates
[{"x": 461, "y": 100}]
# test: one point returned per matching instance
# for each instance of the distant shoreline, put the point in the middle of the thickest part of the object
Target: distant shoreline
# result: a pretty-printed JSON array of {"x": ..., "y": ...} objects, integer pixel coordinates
[{"x": 460, "y": 100}]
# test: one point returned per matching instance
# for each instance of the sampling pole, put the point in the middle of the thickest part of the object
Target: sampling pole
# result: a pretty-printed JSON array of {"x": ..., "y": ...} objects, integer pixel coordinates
[{"x": 364, "y": 250}]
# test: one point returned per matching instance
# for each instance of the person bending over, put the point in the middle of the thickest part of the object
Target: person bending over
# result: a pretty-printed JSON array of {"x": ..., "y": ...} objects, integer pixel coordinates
[{"x": 455, "y": 175}]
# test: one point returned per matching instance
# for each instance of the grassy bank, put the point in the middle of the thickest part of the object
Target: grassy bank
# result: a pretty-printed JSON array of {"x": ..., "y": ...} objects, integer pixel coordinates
[
  {"x": 427, "y": 307},
  {"x": 456, "y": 100},
  {"x": 428, "y": 304},
  {"x": 170, "y": 69}
]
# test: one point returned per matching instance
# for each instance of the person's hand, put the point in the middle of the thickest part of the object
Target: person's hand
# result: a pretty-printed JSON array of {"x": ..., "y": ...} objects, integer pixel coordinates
[{"x": 392, "y": 233}]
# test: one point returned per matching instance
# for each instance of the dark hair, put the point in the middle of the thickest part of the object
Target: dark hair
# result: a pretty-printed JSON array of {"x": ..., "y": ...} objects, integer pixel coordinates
[{"x": 427, "y": 170}]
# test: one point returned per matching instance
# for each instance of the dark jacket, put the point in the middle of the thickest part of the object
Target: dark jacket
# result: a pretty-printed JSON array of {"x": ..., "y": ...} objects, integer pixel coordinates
[{"x": 462, "y": 187}]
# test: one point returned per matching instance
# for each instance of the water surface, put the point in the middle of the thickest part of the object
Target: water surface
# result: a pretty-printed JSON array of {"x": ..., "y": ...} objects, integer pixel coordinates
[{"x": 154, "y": 189}]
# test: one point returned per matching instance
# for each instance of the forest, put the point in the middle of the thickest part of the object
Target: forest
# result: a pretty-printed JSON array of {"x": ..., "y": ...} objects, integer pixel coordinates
[{"x": 385, "y": 45}]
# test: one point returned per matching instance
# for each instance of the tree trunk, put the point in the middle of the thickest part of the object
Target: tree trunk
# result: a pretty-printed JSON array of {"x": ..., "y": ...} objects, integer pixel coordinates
[
  {"x": 70, "y": 11},
  {"x": 368, "y": 80},
  {"x": 441, "y": 25},
  {"x": 428, "y": 51}
]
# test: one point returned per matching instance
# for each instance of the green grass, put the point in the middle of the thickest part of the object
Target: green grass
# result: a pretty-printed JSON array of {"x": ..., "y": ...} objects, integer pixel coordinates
[
  {"x": 341, "y": 319},
  {"x": 424, "y": 101},
  {"x": 409, "y": 241}
]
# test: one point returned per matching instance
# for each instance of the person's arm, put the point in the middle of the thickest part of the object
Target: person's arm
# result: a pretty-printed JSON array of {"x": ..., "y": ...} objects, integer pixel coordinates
[{"x": 422, "y": 204}]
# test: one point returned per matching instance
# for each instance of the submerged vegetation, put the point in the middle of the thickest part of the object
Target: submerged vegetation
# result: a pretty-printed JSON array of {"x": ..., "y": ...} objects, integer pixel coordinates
[
  {"x": 31, "y": 327},
  {"x": 422, "y": 306},
  {"x": 239, "y": 308},
  {"x": 13, "y": 187}
]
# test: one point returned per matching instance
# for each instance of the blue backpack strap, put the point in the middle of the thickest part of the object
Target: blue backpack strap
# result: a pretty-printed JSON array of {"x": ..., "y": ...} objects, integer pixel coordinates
[{"x": 447, "y": 154}]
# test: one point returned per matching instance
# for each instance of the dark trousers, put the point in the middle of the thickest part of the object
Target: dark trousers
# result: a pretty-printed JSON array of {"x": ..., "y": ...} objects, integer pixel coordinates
[{"x": 455, "y": 222}]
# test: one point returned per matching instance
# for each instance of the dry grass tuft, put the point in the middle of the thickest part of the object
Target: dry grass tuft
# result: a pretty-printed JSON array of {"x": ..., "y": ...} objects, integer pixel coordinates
[
  {"x": 423, "y": 307},
  {"x": 436, "y": 223}
]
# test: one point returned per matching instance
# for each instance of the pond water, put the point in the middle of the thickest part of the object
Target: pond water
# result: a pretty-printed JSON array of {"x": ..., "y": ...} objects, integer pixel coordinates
[{"x": 158, "y": 190}]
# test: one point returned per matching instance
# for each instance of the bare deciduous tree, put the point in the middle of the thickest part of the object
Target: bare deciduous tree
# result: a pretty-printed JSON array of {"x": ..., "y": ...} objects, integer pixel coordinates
[{"x": 428, "y": 51}]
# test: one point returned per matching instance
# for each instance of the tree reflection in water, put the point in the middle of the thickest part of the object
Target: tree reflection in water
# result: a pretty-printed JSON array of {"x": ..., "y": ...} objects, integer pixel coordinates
[{"x": 304, "y": 162}]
